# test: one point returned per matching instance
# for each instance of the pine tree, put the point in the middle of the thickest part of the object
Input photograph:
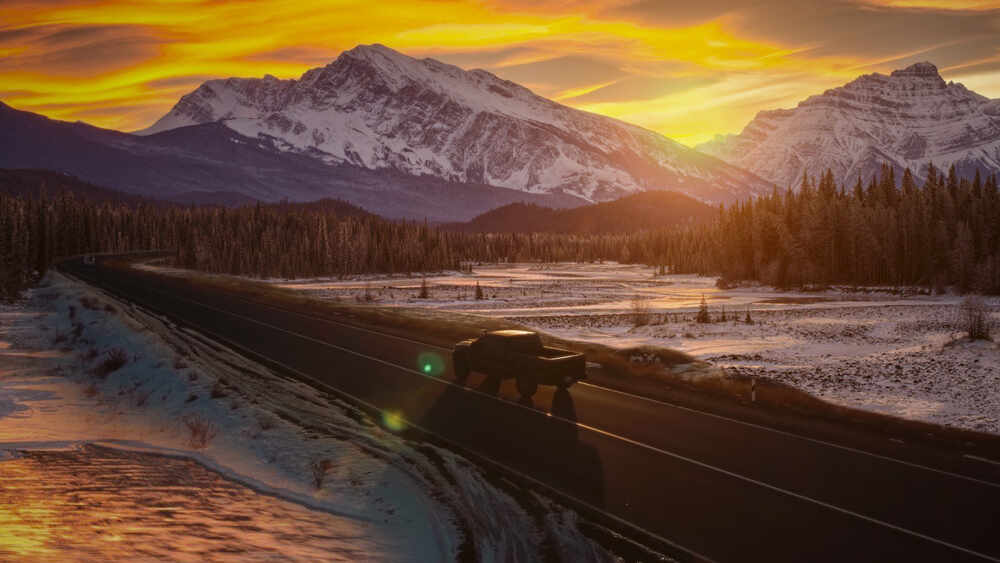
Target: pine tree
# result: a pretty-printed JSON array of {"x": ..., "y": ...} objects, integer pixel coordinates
[{"x": 703, "y": 316}]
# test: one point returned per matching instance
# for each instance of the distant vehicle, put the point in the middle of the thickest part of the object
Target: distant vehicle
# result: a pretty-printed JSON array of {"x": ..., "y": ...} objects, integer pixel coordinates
[
  {"x": 518, "y": 354},
  {"x": 89, "y": 260}
]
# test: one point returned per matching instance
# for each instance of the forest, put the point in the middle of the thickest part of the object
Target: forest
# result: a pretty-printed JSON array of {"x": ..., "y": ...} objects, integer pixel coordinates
[{"x": 943, "y": 232}]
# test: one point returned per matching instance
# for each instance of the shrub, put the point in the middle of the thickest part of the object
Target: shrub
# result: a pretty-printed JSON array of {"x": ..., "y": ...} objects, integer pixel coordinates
[
  {"x": 201, "y": 430},
  {"x": 141, "y": 397},
  {"x": 748, "y": 320},
  {"x": 319, "y": 468},
  {"x": 266, "y": 421},
  {"x": 90, "y": 391},
  {"x": 479, "y": 292},
  {"x": 640, "y": 311},
  {"x": 218, "y": 390},
  {"x": 179, "y": 363},
  {"x": 975, "y": 318},
  {"x": 115, "y": 359}
]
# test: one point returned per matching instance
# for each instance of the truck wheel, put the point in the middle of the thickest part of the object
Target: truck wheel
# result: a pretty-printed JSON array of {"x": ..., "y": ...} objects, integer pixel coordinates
[
  {"x": 461, "y": 367},
  {"x": 527, "y": 385}
]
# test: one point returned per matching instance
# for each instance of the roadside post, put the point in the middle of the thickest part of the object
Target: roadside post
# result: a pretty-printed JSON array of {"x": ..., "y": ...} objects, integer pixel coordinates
[{"x": 753, "y": 389}]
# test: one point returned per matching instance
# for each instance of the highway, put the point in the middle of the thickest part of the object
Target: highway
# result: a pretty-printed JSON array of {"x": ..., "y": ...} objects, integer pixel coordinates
[{"x": 709, "y": 487}]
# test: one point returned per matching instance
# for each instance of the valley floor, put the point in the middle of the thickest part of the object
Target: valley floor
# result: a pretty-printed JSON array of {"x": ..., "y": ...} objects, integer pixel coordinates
[{"x": 881, "y": 349}]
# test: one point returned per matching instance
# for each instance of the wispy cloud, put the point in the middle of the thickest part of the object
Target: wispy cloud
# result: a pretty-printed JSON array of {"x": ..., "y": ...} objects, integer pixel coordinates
[{"x": 687, "y": 69}]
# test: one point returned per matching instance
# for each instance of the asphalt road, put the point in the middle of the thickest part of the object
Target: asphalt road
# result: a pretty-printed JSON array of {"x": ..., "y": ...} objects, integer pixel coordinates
[{"x": 713, "y": 488}]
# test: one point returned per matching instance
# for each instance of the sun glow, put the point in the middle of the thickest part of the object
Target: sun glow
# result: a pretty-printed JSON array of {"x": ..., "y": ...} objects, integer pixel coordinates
[{"x": 123, "y": 64}]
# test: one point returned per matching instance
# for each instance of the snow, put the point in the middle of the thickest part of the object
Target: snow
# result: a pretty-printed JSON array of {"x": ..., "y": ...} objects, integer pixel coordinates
[
  {"x": 377, "y": 108},
  {"x": 405, "y": 501},
  {"x": 899, "y": 353},
  {"x": 909, "y": 119}
]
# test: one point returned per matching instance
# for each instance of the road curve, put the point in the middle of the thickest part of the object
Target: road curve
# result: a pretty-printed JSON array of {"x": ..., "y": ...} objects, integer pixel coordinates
[{"x": 711, "y": 487}]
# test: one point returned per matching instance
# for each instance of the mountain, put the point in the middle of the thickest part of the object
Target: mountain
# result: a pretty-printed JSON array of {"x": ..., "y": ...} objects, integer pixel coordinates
[
  {"x": 633, "y": 213},
  {"x": 211, "y": 163},
  {"x": 34, "y": 183},
  {"x": 908, "y": 119},
  {"x": 378, "y": 109}
]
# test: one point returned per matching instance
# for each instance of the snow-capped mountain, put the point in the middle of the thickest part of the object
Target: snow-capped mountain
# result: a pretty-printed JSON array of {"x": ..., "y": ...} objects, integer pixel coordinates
[
  {"x": 376, "y": 108},
  {"x": 908, "y": 119}
]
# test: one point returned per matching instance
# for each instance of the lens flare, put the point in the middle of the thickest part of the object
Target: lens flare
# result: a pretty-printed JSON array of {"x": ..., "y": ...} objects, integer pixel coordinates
[
  {"x": 430, "y": 363},
  {"x": 393, "y": 420}
]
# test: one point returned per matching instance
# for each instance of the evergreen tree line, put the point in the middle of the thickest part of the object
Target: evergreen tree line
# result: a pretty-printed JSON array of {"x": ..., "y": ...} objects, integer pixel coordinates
[
  {"x": 266, "y": 240},
  {"x": 945, "y": 232}
]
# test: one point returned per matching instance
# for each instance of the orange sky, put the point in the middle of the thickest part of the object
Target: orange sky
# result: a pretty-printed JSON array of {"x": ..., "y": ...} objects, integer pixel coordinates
[{"x": 686, "y": 69}]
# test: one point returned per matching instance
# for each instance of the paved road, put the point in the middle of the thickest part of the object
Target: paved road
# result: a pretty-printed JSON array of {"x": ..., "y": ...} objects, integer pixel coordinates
[{"x": 712, "y": 487}]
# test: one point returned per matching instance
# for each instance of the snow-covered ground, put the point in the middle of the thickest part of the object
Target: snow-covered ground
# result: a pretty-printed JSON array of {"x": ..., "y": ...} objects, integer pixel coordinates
[
  {"x": 897, "y": 352},
  {"x": 77, "y": 368}
]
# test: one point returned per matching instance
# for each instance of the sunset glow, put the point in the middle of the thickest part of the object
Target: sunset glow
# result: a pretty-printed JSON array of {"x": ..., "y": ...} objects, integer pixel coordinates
[{"x": 689, "y": 72}]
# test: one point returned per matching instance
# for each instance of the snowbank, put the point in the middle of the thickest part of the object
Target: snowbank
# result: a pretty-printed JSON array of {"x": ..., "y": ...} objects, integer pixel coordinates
[{"x": 79, "y": 367}]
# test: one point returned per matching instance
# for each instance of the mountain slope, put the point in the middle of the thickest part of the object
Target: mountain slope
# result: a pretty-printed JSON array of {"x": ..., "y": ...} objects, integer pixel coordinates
[
  {"x": 211, "y": 163},
  {"x": 34, "y": 183},
  {"x": 908, "y": 119},
  {"x": 638, "y": 212},
  {"x": 376, "y": 108}
]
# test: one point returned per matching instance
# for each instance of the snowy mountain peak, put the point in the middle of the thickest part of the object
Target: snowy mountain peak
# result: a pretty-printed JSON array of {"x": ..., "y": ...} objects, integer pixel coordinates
[
  {"x": 378, "y": 108},
  {"x": 908, "y": 119},
  {"x": 920, "y": 70}
]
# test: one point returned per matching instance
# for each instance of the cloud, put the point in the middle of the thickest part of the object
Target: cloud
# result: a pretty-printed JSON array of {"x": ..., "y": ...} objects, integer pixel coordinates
[
  {"x": 641, "y": 88},
  {"x": 687, "y": 69},
  {"x": 550, "y": 76}
]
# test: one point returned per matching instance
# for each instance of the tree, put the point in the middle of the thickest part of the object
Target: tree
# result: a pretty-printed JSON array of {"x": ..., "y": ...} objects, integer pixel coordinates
[{"x": 703, "y": 316}]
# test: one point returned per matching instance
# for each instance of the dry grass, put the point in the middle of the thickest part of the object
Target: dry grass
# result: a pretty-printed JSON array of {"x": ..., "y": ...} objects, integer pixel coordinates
[
  {"x": 319, "y": 468},
  {"x": 218, "y": 390},
  {"x": 975, "y": 318},
  {"x": 641, "y": 315},
  {"x": 115, "y": 359},
  {"x": 201, "y": 430}
]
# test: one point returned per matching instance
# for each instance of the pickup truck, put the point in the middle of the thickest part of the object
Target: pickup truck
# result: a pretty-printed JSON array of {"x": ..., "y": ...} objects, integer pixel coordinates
[{"x": 519, "y": 354}]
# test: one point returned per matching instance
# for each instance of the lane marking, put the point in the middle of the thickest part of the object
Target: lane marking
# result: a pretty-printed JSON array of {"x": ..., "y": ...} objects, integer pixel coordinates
[
  {"x": 454, "y": 445},
  {"x": 799, "y": 436},
  {"x": 658, "y": 401},
  {"x": 982, "y": 459},
  {"x": 601, "y": 432}
]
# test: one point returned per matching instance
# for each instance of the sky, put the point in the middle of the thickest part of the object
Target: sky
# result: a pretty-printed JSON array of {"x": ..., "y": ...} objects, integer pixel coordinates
[{"x": 687, "y": 69}]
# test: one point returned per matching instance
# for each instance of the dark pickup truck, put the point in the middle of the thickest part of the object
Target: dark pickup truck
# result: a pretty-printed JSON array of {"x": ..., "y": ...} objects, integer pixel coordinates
[{"x": 518, "y": 354}]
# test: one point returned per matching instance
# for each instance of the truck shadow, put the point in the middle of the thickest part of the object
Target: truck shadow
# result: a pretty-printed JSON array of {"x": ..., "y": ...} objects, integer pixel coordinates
[{"x": 545, "y": 448}]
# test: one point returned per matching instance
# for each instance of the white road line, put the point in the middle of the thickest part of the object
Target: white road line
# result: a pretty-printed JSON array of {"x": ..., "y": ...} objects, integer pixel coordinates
[
  {"x": 663, "y": 403},
  {"x": 372, "y": 407},
  {"x": 982, "y": 459},
  {"x": 799, "y": 436},
  {"x": 602, "y": 432}
]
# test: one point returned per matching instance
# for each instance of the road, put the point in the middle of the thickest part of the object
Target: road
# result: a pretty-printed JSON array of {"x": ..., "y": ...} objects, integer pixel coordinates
[{"x": 710, "y": 487}]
